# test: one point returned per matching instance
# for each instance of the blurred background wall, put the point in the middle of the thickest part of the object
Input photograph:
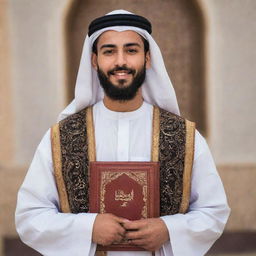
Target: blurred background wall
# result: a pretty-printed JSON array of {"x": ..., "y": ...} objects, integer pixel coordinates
[{"x": 210, "y": 54}]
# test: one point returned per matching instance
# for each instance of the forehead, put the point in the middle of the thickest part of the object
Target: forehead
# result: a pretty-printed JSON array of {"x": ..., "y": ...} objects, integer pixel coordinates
[{"x": 119, "y": 38}]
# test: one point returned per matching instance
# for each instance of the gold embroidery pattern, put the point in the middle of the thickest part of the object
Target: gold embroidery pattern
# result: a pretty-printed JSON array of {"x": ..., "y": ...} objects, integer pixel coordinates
[
  {"x": 90, "y": 137},
  {"x": 174, "y": 179},
  {"x": 155, "y": 135},
  {"x": 171, "y": 156},
  {"x": 74, "y": 150},
  {"x": 189, "y": 157},
  {"x": 139, "y": 177},
  {"x": 57, "y": 162}
]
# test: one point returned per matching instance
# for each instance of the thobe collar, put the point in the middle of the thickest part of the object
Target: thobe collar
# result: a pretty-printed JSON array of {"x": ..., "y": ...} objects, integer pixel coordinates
[{"x": 107, "y": 113}]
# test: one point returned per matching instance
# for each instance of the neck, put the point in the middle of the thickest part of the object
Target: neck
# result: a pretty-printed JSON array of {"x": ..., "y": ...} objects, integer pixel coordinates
[{"x": 124, "y": 106}]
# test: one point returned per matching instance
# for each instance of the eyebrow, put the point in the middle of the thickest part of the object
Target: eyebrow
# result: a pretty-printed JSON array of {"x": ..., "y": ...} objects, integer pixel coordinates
[
  {"x": 132, "y": 44},
  {"x": 107, "y": 46},
  {"x": 114, "y": 46}
]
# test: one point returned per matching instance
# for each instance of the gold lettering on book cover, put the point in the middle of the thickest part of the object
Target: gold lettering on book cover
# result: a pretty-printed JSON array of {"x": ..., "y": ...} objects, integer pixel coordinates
[
  {"x": 120, "y": 195},
  {"x": 109, "y": 176}
]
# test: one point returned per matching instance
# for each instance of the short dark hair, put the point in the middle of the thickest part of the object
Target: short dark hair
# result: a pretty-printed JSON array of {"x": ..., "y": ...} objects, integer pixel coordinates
[{"x": 145, "y": 42}]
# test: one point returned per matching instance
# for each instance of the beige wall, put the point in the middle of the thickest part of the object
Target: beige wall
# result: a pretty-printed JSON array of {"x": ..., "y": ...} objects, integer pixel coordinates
[
  {"x": 231, "y": 58},
  {"x": 36, "y": 36},
  {"x": 31, "y": 90},
  {"x": 6, "y": 111},
  {"x": 36, "y": 80},
  {"x": 231, "y": 79},
  {"x": 182, "y": 46}
]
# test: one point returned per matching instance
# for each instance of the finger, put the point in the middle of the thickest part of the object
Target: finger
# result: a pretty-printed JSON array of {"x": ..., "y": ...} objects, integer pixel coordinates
[
  {"x": 122, "y": 234},
  {"x": 137, "y": 224},
  {"x": 139, "y": 242},
  {"x": 118, "y": 238},
  {"x": 121, "y": 220},
  {"x": 144, "y": 244},
  {"x": 120, "y": 230},
  {"x": 134, "y": 235}
]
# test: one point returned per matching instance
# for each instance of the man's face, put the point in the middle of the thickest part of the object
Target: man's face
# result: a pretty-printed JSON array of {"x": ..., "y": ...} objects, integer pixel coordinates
[{"x": 121, "y": 62}]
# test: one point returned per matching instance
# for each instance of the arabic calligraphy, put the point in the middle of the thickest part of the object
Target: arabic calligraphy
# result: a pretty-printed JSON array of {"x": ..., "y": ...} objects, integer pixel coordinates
[
  {"x": 121, "y": 196},
  {"x": 138, "y": 176}
]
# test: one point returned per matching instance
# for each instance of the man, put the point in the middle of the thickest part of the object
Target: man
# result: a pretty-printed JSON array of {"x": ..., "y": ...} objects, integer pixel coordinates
[{"x": 120, "y": 56}]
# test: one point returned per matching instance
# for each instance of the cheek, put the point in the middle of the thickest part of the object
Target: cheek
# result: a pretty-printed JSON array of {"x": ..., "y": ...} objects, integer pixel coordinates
[
  {"x": 105, "y": 65},
  {"x": 138, "y": 62},
  {"x": 139, "y": 66}
]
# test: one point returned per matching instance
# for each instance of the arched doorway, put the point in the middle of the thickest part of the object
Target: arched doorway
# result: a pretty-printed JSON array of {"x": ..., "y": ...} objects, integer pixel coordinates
[{"x": 178, "y": 28}]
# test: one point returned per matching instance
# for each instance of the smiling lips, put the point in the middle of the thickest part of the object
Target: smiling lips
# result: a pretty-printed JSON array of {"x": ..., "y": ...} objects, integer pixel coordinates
[
  {"x": 121, "y": 71},
  {"x": 121, "y": 74}
]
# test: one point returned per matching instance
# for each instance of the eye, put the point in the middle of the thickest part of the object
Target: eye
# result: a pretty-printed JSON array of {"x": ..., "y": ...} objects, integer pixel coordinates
[
  {"x": 108, "y": 52},
  {"x": 132, "y": 50}
]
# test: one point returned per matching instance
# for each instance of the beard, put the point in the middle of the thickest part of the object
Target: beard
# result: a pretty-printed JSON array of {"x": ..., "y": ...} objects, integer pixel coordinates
[{"x": 122, "y": 92}]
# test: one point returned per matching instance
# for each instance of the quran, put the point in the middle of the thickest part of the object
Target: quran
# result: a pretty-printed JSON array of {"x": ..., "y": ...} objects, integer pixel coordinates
[{"x": 125, "y": 189}]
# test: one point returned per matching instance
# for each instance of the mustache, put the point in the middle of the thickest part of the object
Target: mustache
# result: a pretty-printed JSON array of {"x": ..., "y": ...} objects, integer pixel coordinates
[{"x": 123, "y": 68}]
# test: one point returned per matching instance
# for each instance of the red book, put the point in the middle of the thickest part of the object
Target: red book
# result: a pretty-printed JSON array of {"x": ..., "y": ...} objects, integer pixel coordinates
[{"x": 126, "y": 189}]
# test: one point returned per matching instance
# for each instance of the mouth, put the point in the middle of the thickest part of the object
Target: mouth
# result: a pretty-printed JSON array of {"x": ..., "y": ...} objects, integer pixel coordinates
[{"x": 122, "y": 74}]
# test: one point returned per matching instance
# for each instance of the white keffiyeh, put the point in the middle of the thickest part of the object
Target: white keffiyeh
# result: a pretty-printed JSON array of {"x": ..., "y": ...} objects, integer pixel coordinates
[{"x": 157, "y": 88}]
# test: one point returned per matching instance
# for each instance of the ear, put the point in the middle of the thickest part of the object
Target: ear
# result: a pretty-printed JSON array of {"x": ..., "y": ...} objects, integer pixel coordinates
[
  {"x": 94, "y": 61},
  {"x": 148, "y": 60}
]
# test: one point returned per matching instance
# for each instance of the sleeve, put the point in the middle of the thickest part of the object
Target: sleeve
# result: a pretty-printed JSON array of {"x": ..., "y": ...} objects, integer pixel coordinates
[
  {"x": 195, "y": 232},
  {"x": 39, "y": 222}
]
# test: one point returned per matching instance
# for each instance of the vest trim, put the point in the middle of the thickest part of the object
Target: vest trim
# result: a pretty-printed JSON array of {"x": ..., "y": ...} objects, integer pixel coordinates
[
  {"x": 188, "y": 165},
  {"x": 188, "y": 158},
  {"x": 155, "y": 135},
  {"x": 90, "y": 135},
  {"x": 57, "y": 162}
]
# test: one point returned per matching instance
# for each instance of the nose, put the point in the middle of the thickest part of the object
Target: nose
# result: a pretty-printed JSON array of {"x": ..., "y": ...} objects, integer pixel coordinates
[{"x": 120, "y": 59}]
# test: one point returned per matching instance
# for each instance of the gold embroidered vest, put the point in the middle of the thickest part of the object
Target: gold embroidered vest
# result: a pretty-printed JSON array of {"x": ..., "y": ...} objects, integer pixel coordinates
[{"x": 172, "y": 145}]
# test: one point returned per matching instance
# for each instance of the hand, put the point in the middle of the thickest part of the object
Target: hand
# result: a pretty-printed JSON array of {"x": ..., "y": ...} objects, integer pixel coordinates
[
  {"x": 107, "y": 229},
  {"x": 149, "y": 234}
]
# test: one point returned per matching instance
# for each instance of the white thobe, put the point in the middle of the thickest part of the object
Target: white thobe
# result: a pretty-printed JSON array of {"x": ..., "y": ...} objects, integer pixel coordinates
[{"x": 119, "y": 137}]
